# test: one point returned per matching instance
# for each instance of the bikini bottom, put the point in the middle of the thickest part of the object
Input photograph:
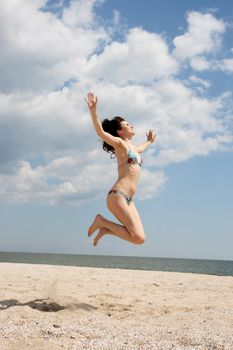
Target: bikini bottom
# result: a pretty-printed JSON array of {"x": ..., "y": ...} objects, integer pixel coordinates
[{"x": 120, "y": 193}]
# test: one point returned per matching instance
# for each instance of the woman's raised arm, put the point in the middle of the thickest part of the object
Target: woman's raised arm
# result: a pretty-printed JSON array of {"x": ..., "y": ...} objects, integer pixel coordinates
[
  {"x": 91, "y": 101},
  {"x": 150, "y": 139}
]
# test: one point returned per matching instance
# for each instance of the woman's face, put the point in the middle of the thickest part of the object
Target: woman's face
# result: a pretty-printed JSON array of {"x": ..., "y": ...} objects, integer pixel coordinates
[{"x": 126, "y": 130}]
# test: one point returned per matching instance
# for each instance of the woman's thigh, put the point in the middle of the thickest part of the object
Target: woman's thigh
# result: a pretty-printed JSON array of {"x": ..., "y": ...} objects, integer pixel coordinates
[
  {"x": 136, "y": 217},
  {"x": 126, "y": 214}
]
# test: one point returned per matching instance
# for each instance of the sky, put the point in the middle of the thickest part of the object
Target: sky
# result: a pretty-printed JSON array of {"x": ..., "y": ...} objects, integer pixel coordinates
[{"x": 165, "y": 65}]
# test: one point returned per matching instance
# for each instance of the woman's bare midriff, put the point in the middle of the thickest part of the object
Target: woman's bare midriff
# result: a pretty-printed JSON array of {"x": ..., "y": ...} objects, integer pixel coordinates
[
  {"x": 128, "y": 178},
  {"x": 128, "y": 174}
]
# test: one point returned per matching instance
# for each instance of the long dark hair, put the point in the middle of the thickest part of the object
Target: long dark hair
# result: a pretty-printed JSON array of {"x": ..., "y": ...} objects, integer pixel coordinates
[{"x": 111, "y": 126}]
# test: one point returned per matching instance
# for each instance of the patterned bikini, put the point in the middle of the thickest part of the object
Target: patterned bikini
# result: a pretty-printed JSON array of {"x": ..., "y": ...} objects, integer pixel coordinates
[{"x": 132, "y": 159}]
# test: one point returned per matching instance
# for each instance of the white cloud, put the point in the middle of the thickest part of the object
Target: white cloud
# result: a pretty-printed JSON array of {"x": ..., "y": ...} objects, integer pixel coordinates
[
  {"x": 80, "y": 13},
  {"x": 41, "y": 126},
  {"x": 66, "y": 179},
  {"x": 151, "y": 184},
  {"x": 49, "y": 151},
  {"x": 200, "y": 63},
  {"x": 227, "y": 65},
  {"x": 38, "y": 51},
  {"x": 56, "y": 127},
  {"x": 203, "y": 36},
  {"x": 142, "y": 57},
  {"x": 206, "y": 84},
  {"x": 202, "y": 41},
  {"x": 116, "y": 18}
]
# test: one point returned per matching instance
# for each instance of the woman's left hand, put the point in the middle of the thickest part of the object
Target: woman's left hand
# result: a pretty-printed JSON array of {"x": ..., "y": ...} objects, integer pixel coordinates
[{"x": 150, "y": 135}]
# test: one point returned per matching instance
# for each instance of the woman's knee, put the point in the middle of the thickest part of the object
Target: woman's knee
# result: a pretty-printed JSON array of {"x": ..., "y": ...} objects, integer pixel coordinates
[
  {"x": 138, "y": 237},
  {"x": 140, "y": 240}
]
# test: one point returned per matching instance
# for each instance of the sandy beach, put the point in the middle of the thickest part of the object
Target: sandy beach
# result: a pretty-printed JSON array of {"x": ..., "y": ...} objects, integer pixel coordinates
[{"x": 63, "y": 307}]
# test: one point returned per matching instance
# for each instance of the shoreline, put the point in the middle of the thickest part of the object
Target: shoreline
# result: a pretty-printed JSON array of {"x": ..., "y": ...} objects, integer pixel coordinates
[
  {"x": 70, "y": 307},
  {"x": 197, "y": 266},
  {"x": 114, "y": 268}
]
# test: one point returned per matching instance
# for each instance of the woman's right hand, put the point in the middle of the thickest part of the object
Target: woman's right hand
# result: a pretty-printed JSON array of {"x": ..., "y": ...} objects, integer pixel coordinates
[{"x": 91, "y": 101}]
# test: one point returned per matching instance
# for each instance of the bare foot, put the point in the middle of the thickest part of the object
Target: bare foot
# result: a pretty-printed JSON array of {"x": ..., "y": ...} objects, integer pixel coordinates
[
  {"x": 95, "y": 225},
  {"x": 100, "y": 234}
]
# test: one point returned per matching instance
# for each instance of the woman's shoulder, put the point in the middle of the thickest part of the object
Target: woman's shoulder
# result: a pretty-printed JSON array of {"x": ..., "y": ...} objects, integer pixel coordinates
[
  {"x": 121, "y": 149},
  {"x": 125, "y": 147},
  {"x": 122, "y": 144}
]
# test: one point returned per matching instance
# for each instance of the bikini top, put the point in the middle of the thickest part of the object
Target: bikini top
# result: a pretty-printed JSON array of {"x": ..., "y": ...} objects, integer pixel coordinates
[{"x": 132, "y": 159}]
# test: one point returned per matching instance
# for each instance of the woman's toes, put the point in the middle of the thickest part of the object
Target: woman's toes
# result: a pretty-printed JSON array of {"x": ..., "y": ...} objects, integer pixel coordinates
[
  {"x": 100, "y": 234},
  {"x": 95, "y": 225}
]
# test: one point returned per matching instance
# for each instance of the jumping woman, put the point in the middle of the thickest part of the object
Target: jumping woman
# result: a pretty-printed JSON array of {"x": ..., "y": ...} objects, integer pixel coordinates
[{"x": 117, "y": 135}]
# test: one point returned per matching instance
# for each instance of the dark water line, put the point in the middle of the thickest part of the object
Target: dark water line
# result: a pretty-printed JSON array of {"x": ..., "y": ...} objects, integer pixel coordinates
[{"x": 210, "y": 267}]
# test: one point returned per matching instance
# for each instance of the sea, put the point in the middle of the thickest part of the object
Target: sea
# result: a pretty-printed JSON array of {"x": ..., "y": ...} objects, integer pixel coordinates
[{"x": 209, "y": 267}]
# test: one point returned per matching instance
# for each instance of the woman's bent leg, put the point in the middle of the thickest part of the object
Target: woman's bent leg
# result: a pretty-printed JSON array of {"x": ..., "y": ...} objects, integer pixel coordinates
[
  {"x": 102, "y": 232},
  {"x": 112, "y": 228},
  {"x": 131, "y": 230},
  {"x": 128, "y": 216}
]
